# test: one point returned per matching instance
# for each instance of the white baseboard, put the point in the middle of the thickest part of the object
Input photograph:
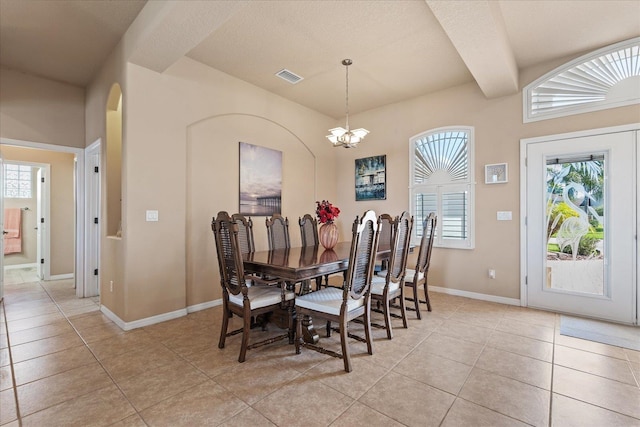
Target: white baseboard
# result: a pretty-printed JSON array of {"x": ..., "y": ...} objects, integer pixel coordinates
[
  {"x": 127, "y": 326},
  {"x": 60, "y": 276},
  {"x": 17, "y": 266},
  {"x": 475, "y": 295},
  {"x": 204, "y": 305}
]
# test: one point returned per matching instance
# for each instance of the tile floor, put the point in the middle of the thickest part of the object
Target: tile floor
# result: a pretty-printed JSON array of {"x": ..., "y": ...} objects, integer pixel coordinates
[{"x": 468, "y": 363}]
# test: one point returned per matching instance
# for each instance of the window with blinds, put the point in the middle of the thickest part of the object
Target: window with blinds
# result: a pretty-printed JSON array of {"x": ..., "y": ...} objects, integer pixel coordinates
[
  {"x": 606, "y": 78},
  {"x": 441, "y": 182}
]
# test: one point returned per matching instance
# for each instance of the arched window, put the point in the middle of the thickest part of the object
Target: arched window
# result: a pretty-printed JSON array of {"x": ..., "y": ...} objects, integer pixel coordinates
[
  {"x": 442, "y": 182},
  {"x": 606, "y": 78}
]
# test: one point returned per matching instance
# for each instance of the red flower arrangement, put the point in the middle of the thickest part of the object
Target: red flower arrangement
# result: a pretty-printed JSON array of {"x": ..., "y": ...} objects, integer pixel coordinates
[{"x": 326, "y": 212}]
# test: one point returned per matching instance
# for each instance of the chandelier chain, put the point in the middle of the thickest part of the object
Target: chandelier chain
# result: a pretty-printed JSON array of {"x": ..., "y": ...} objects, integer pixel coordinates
[{"x": 347, "y": 96}]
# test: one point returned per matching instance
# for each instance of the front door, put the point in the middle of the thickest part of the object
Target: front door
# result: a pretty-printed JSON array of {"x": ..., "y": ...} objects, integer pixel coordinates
[{"x": 581, "y": 225}]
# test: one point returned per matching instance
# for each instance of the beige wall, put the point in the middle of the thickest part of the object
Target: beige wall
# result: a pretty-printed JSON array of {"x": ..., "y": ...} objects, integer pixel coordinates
[
  {"x": 184, "y": 126},
  {"x": 180, "y": 157},
  {"x": 62, "y": 203},
  {"x": 40, "y": 110},
  {"x": 498, "y": 129}
]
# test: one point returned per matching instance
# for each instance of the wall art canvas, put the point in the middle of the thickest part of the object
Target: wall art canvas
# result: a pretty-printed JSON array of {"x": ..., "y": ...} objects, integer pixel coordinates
[
  {"x": 260, "y": 180},
  {"x": 371, "y": 178}
]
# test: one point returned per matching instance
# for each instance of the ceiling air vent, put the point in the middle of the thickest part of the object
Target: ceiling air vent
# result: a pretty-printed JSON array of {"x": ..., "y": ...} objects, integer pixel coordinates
[{"x": 289, "y": 76}]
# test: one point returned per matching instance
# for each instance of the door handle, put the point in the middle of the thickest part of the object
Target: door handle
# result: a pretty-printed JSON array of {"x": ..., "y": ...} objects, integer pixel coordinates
[{"x": 5, "y": 232}]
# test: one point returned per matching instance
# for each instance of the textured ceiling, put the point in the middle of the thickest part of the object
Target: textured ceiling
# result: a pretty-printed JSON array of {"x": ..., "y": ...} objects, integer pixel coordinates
[{"x": 400, "y": 49}]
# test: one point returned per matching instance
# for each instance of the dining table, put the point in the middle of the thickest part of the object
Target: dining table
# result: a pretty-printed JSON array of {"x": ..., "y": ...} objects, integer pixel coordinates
[{"x": 303, "y": 264}]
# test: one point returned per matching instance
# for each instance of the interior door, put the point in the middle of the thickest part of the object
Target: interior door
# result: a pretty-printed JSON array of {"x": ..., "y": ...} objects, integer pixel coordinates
[
  {"x": 581, "y": 225},
  {"x": 39, "y": 225}
]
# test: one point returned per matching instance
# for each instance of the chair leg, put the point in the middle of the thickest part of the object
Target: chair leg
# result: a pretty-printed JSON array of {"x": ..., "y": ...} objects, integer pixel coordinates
[
  {"x": 344, "y": 335},
  {"x": 387, "y": 318},
  {"x": 403, "y": 309},
  {"x": 328, "y": 328},
  {"x": 367, "y": 327},
  {"x": 225, "y": 325},
  {"x": 416, "y": 300},
  {"x": 426, "y": 296},
  {"x": 246, "y": 330}
]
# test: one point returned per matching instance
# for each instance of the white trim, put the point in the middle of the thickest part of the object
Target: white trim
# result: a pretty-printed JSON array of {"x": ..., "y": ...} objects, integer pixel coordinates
[
  {"x": 147, "y": 321},
  {"x": 527, "y": 115},
  {"x": 79, "y": 194},
  {"x": 204, "y": 305},
  {"x": 476, "y": 295},
  {"x": 17, "y": 266},
  {"x": 61, "y": 276},
  {"x": 93, "y": 233}
]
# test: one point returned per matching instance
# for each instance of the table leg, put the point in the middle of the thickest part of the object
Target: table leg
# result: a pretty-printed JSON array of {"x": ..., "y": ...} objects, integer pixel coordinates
[{"x": 309, "y": 333}]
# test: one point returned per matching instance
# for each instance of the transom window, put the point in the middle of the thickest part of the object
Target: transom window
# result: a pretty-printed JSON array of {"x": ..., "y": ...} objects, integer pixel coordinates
[
  {"x": 441, "y": 182},
  {"x": 606, "y": 78},
  {"x": 17, "y": 181}
]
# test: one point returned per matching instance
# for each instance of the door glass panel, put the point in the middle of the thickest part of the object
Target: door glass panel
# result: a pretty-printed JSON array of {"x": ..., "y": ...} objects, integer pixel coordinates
[{"x": 575, "y": 225}]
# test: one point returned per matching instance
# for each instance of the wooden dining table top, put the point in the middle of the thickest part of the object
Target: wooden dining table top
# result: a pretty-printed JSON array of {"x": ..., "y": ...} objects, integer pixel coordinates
[
  {"x": 302, "y": 263},
  {"x": 299, "y": 263}
]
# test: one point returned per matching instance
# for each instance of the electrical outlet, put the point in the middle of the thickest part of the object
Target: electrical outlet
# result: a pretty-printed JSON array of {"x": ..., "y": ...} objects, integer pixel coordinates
[
  {"x": 492, "y": 274},
  {"x": 111, "y": 286}
]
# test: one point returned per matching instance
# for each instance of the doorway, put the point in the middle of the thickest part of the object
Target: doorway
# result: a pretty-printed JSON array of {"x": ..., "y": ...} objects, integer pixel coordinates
[
  {"x": 27, "y": 192},
  {"x": 75, "y": 200},
  {"x": 579, "y": 203}
]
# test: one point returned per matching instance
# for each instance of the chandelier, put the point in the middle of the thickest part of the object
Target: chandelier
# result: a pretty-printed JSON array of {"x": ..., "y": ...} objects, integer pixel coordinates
[{"x": 347, "y": 138}]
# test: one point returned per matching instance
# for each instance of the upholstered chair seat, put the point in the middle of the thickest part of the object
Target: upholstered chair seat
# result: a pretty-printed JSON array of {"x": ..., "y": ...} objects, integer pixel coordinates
[
  {"x": 327, "y": 300},
  {"x": 261, "y": 296}
]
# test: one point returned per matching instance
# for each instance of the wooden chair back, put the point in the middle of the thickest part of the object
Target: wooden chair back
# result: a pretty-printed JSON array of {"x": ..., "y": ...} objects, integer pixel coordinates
[
  {"x": 245, "y": 233},
  {"x": 225, "y": 231},
  {"x": 308, "y": 230},
  {"x": 364, "y": 245},
  {"x": 402, "y": 227},
  {"x": 278, "y": 232},
  {"x": 426, "y": 243}
]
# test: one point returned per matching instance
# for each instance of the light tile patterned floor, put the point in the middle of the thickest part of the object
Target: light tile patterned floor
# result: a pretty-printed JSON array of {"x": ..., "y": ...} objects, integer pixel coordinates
[{"x": 468, "y": 363}]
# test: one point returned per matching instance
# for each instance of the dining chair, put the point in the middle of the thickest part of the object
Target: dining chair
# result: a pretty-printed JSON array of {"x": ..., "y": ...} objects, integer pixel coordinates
[
  {"x": 237, "y": 297},
  {"x": 385, "y": 240},
  {"x": 245, "y": 233},
  {"x": 278, "y": 232},
  {"x": 309, "y": 237},
  {"x": 352, "y": 301},
  {"x": 391, "y": 287},
  {"x": 418, "y": 276}
]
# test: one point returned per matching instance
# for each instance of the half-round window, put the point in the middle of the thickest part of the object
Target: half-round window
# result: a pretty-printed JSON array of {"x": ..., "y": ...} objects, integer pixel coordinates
[{"x": 606, "y": 78}]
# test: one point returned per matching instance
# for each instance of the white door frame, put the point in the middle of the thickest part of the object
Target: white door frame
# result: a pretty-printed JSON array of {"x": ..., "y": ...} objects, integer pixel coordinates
[
  {"x": 79, "y": 201},
  {"x": 523, "y": 201},
  {"x": 2, "y": 222},
  {"x": 92, "y": 210}
]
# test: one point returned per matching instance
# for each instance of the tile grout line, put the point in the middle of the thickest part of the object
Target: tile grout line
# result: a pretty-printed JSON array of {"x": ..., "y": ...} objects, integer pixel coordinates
[
  {"x": 13, "y": 374},
  {"x": 92, "y": 353},
  {"x": 553, "y": 368}
]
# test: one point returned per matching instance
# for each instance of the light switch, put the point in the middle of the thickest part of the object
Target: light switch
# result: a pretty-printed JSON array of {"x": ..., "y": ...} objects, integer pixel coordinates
[
  {"x": 504, "y": 215},
  {"x": 152, "y": 216}
]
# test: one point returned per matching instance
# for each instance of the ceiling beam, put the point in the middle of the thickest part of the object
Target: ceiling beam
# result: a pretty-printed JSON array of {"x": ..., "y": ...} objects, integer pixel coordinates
[
  {"x": 477, "y": 31},
  {"x": 165, "y": 31}
]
